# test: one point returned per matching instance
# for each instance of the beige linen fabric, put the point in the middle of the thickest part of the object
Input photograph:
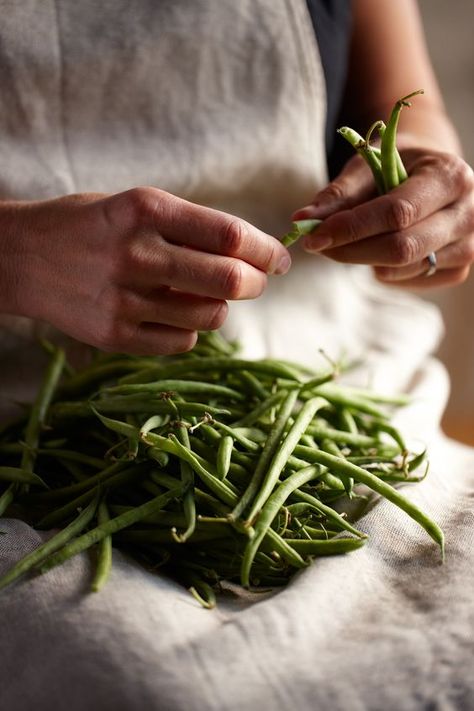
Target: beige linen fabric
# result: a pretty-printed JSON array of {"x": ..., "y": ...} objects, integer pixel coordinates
[{"x": 222, "y": 102}]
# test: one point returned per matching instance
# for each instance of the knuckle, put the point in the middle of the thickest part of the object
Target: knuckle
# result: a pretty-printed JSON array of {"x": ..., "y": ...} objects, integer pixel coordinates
[
  {"x": 231, "y": 279},
  {"x": 404, "y": 249},
  {"x": 402, "y": 213},
  {"x": 139, "y": 204},
  {"x": 334, "y": 192},
  {"x": 233, "y": 236}
]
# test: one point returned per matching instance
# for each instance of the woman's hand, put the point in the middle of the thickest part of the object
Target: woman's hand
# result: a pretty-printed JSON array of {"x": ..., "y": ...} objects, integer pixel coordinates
[
  {"x": 432, "y": 211},
  {"x": 137, "y": 272}
]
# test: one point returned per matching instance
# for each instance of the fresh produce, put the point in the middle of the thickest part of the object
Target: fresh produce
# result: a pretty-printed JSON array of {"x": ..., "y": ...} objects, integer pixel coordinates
[
  {"x": 212, "y": 466},
  {"x": 207, "y": 465}
]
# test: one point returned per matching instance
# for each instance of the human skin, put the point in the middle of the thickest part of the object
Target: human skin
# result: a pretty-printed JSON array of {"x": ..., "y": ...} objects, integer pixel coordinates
[
  {"x": 136, "y": 272},
  {"x": 432, "y": 211}
]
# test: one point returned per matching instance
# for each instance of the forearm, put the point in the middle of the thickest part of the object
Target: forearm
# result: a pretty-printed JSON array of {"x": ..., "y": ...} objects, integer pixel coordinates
[{"x": 388, "y": 60}]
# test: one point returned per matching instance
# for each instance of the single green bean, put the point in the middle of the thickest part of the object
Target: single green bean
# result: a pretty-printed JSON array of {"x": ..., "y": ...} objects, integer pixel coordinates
[
  {"x": 325, "y": 547},
  {"x": 21, "y": 476},
  {"x": 299, "y": 228},
  {"x": 224, "y": 456},
  {"x": 40, "y": 407},
  {"x": 187, "y": 480},
  {"x": 104, "y": 552},
  {"x": 51, "y": 545},
  {"x": 179, "y": 386}
]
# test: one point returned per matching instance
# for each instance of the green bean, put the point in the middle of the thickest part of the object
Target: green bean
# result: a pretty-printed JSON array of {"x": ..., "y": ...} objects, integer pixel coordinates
[
  {"x": 6, "y": 498},
  {"x": 390, "y": 167},
  {"x": 40, "y": 407},
  {"x": 78, "y": 487},
  {"x": 221, "y": 364},
  {"x": 338, "y": 396},
  {"x": 50, "y": 546},
  {"x": 234, "y": 433},
  {"x": 108, "y": 528},
  {"x": 299, "y": 228},
  {"x": 187, "y": 480},
  {"x": 104, "y": 552},
  {"x": 21, "y": 476},
  {"x": 327, "y": 511},
  {"x": 347, "y": 422},
  {"x": 273, "y": 440},
  {"x": 273, "y": 542},
  {"x": 58, "y": 515},
  {"x": 328, "y": 445},
  {"x": 373, "y": 482},
  {"x": 254, "y": 385},
  {"x": 122, "y": 405},
  {"x": 180, "y": 386},
  {"x": 202, "y": 592},
  {"x": 224, "y": 456},
  {"x": 73, "y": 456},
  {"x": 222, "y": 489},
  {"x": 255, "y": 415},
  {"x": 268, "y": 513},
  {"x": 281, "y": 455},
  {"x": 365, "y": 151},
  {"x": 325, "y": 547},
  {"x": 87, "y": 379},
  {"x": 341, "y": 436}
]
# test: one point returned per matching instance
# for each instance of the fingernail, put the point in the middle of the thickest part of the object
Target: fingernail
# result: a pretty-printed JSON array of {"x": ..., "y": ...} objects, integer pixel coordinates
[
  {"x": 317, "y": 242},
  {"x": 306, "y": 213},
  {"x": 283, "y": 265}
]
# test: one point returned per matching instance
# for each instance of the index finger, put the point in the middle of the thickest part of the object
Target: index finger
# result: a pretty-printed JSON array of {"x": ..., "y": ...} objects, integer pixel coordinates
[
  {"x": 432, "y": 186},
  {"x": 182, "y": 222}
]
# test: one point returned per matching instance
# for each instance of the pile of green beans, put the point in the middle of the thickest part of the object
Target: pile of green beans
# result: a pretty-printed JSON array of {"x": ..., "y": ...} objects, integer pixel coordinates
[{"x": 207, "y": 465}]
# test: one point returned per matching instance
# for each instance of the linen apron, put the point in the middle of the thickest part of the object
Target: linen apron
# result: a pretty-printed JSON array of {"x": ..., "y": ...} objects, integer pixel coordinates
[{"x": 223, "y": 103}]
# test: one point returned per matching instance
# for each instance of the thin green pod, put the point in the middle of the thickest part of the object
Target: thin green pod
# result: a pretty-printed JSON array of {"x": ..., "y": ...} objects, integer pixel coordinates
[
  {"x": 224, "y": 456},
  {"x": 50, "y": 546},
  {"x": 104, "y": 552},
  {"x": 109, "y": 528}
]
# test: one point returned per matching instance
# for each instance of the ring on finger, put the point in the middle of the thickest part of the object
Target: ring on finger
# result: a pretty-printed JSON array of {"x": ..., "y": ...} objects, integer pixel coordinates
[{"x": 432, "y": 264}]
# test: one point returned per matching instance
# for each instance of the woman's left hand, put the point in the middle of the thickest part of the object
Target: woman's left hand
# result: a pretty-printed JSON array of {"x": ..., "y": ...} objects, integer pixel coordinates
[{"x": 431, "y": 212}]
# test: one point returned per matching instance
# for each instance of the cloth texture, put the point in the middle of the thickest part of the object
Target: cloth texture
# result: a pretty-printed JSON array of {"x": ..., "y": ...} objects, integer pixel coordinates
[{"x": 224, "y": 104}]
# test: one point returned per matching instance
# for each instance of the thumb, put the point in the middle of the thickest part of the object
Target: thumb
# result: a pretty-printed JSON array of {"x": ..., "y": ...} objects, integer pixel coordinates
[{"x": 352, "y": 186}]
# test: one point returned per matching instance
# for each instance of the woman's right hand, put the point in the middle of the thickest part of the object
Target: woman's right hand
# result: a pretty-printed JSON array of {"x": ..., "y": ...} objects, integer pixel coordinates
[{"x": 136, "y": 272}]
